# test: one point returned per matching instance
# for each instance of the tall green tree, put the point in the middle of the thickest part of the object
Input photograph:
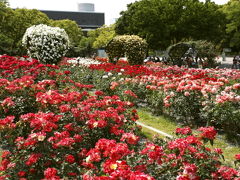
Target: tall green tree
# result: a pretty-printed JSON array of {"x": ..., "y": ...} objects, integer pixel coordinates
[
  {"x": 6, "y": 31},
  {"x": 74, "y": 32},
  {"x": 166, "y": 22},
  {"x": 104, "y": 35},
  {"x": 232, "y": 11},
  {"x": 96, "y": 39},
  {"x": 100, "y": 37},
  {"x": 23, "y": 19},
  {"x": 13, "y": 24},
  {"x": 72, "y": 29}
]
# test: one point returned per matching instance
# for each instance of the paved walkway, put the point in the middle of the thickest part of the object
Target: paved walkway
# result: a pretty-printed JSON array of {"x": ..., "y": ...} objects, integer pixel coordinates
[{"x": 227, "y": 63}]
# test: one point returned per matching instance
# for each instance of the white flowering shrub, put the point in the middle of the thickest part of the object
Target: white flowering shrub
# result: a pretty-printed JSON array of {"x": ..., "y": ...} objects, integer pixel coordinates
[{"x": 45, "y": 43}]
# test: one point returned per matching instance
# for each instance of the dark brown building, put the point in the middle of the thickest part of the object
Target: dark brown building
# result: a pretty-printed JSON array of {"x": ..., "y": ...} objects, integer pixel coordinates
[{"x": 86, "y": 20}]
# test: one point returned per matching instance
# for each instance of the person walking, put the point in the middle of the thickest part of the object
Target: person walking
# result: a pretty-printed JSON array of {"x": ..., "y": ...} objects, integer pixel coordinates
[
  {"x": 235, "y": 62},
  {"x": 238, "y": 61}
]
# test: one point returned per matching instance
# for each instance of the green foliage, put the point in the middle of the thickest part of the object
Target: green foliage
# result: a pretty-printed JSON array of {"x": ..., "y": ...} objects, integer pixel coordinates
[
  {"x": 207, "y": 52},
  {"x": 95, "y": 39},
  {"x": 74, "y": 32},
  {"x": 23, "y": 19},
  {"x": 164, "y": 22},
  {"x": 225, "y": 116},
  {"x": 6, "y": 30},
  {"x": 135, "y": 48},
  {"x": 176, "y": 52},
  {"x": 232, "y": 12},
  {"x": 132, "y": 46},
  {"x": 85, "y": 47},
  {"x": 13, "y": 24},
  {"x": 203, "y": 50},
  {"x": 186, "y": 109},
  {"x": 115, "y": 48},
  {"x": 105, "y": 35}
]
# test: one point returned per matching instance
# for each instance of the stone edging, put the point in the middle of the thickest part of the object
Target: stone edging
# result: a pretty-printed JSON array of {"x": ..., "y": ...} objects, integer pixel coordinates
[{"x": 155, "y": 130}]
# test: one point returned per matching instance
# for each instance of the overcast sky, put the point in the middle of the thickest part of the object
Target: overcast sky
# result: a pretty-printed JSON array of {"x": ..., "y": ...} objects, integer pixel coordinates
[{"x": 111, "y": 8}]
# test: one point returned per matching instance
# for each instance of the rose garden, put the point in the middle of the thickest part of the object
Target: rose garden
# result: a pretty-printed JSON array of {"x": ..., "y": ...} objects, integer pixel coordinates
[{"x": 75, "y": 118}]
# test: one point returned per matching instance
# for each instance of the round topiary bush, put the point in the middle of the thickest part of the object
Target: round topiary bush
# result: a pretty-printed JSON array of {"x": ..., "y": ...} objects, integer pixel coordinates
[
  {"x": 135, "y": 48},
  {"x": 132, "y": 46},
  {"x": 115, "y": 49},
  {"x": 45, "y": 43}
]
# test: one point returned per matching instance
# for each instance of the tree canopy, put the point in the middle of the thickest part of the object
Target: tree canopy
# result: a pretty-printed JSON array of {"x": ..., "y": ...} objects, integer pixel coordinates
[
  {"x": 13, "y": 24},
  {"x": 6, "y": 31},
  {"x": 96, "y": 39},
  {"x": 232, "y": 11},
  {"x": 23, "y": 19},
  {"x": 72, "y": 29},
  {"x": 166, "y": 22},
  {"x": 100, "y": 37},
  {"x": 74, "y": 32},
  {"x": 105, "y": 34}
]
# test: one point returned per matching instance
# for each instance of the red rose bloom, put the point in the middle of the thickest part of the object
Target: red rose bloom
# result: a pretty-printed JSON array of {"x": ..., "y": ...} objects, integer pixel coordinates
[
  {"x": 70, "y": 158},
  {"x": 21, "y": 173},
  {"x": 50, "y": 173},
  {"x": 208, "y": 132},
  {"x": 184, "y": 131},
  {"x": 237, "y": 156}
]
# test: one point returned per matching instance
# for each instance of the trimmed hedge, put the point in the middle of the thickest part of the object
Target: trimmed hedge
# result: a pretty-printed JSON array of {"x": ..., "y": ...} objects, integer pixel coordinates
[{"x": 131, "y": 46}]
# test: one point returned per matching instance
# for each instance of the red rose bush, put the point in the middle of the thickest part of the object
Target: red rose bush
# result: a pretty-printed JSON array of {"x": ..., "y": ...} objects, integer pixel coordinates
[
  {"x": 190, "y": 96},
  {"x": 54, "y": 127}
]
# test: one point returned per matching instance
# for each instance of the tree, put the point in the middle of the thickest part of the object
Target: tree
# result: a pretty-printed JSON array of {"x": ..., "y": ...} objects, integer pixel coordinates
[
  {"x": 104, "y": 35},
  {"x": 198, "y": 51},
  {"x": 232, "y": 11},
  {"x": 13, "y": 24},
  {"x": 206, "y": 52},
  {"x": 166, "y": 22},
  {"x": 96, "y": 39},
  {"x": 6, "y": 31},
  {"x": 85, "y": 47},
  {"x": 72, "y": 29},
  {"x": 74, "y": 32},
  {"x": 100, "y": 37},
  {"x": 4, "y": 1},
  {"x": 23, "y": 19}
]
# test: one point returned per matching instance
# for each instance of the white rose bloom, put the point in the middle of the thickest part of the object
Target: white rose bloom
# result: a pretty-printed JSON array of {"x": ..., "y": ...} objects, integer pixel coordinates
[{"x": 105, "y": 77}]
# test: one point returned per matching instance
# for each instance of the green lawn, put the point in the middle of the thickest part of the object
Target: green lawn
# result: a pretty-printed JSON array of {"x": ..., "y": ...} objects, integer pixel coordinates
[{"x": 163, "y": 124}]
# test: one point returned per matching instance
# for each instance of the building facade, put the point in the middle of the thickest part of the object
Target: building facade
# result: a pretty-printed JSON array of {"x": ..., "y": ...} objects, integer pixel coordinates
[{"x": 85, "y": 17}]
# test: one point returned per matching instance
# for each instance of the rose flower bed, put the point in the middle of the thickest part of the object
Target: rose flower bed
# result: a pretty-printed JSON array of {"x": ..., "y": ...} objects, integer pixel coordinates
[
  {"x": 52, "y": 128},
  {"x": 193, "y": 97}
]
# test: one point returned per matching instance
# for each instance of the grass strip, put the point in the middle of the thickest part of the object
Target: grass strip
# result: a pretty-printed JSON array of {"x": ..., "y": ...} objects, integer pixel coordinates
[{"x": 163, "y": 124}]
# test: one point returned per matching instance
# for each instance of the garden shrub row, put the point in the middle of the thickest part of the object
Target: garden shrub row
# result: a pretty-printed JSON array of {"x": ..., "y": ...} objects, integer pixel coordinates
[
  {"x": 52, "y": 126},
  {"x": 193, "y": 97}
]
